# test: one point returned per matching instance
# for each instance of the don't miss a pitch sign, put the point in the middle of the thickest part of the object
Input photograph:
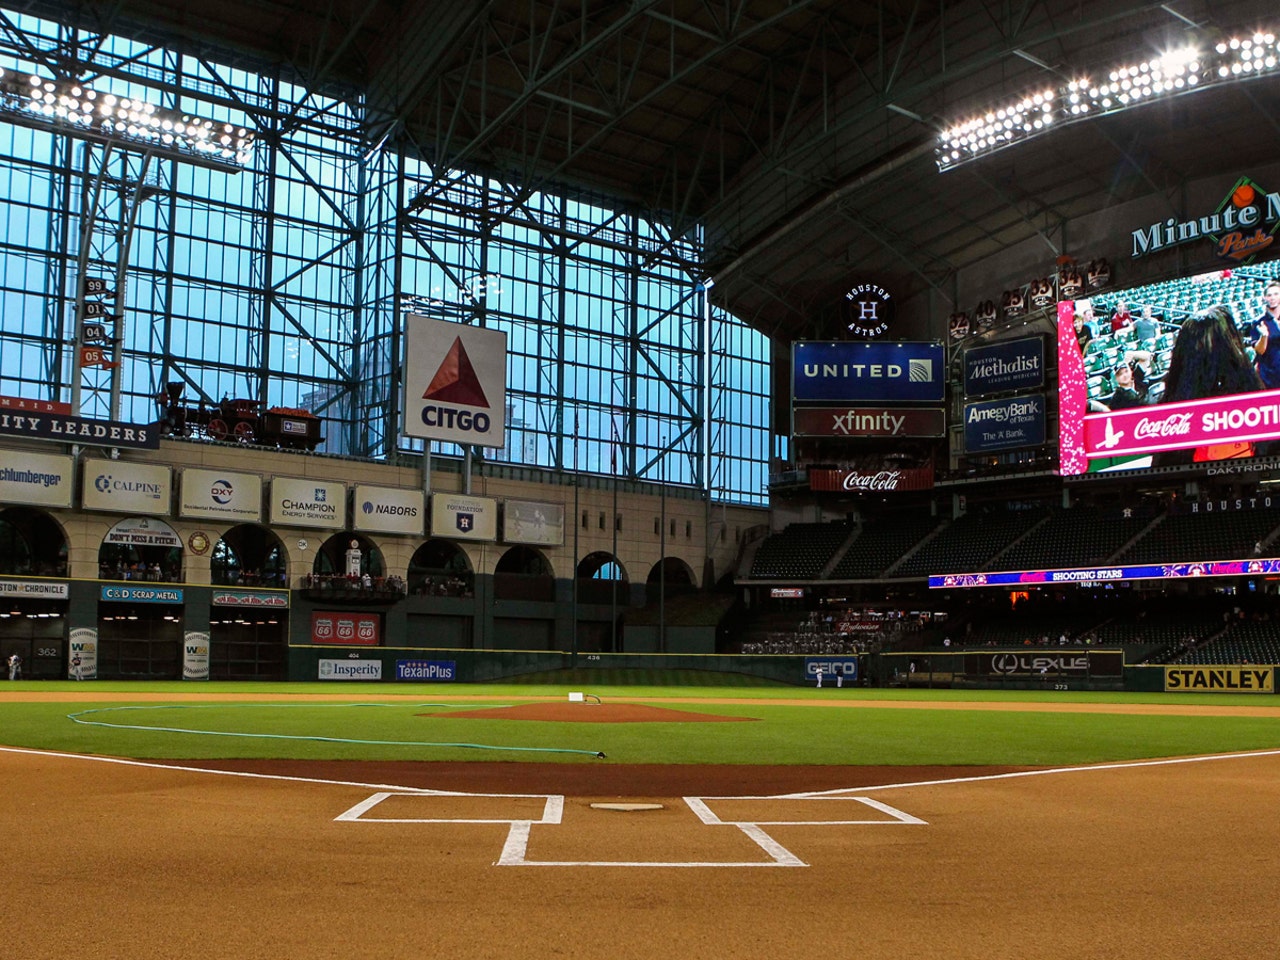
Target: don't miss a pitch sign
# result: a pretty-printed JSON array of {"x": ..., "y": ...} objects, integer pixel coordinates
[{"x": 455, "y": 382}]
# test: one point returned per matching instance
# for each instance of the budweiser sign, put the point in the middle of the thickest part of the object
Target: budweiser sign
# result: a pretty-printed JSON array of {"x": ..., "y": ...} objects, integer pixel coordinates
[{"x": 871, "y": 481}]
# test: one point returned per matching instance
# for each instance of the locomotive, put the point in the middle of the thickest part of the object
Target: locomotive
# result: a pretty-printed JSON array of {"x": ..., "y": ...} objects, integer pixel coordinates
[{"x": 238, "y": 420}]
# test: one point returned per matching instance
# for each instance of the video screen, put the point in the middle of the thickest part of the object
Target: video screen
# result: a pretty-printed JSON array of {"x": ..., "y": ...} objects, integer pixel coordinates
[{"x": 1172, "y": 373}]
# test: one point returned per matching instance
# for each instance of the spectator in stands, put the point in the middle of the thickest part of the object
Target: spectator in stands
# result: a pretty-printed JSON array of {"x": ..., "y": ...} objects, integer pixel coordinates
[
  {"x": 1083, "y": 332},
  {"x": 1145, "y": 326},
  {"x": 1209, "y": 360},
  {"x": 1266, "y": 330},
  {"x": 1121, "y": 318},
  {"x": 1126, "y": 393},
  {"x": 1084, "y": 311}
]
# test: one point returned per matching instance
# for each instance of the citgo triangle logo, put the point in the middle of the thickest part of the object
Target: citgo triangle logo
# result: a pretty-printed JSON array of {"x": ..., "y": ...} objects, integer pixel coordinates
[{"x": 456, "y": 381}]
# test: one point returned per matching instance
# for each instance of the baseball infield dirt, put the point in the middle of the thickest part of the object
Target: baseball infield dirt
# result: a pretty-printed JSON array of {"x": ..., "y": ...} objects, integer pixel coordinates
[{"x": 111, "y": 858}]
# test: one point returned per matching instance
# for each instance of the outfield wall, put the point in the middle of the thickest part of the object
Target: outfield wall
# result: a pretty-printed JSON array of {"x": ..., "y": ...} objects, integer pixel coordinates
[{"x": 1103, "y": 670}]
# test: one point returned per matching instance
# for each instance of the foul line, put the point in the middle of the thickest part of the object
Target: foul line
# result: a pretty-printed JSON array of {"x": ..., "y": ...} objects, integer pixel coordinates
[{"x": 1122, "y": 765}]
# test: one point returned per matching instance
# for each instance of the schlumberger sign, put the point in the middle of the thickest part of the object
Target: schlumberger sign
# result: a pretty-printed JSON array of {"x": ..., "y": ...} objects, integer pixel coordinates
[{"x": 1243, "y": 225}]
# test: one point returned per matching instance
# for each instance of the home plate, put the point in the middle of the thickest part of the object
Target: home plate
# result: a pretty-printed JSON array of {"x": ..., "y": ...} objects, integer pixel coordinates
[{"x": 626, "y": 806}]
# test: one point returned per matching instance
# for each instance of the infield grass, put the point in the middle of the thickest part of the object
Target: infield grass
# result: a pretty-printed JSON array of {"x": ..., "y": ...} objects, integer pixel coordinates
[{"x": 800, "y": 726}]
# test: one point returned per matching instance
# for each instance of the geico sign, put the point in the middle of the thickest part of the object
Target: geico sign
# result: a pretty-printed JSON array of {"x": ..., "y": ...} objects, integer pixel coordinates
[
  {"x": 451, "y": 419},
  {"x": 830, "y": 666},
  {"x": 1011, "y": 663}
]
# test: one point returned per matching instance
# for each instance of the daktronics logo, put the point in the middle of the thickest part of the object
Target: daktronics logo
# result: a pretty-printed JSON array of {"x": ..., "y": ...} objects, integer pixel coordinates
[
  {"x": 1177, "y": 425},
  {"x": 455, "y": 384},
  {"x": 221, "y": 492}
]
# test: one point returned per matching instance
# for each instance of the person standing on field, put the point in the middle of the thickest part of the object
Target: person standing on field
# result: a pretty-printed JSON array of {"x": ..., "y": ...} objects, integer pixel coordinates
[
  {"x": 818, "y": 674},
  {"x": 15, "y": 667}
]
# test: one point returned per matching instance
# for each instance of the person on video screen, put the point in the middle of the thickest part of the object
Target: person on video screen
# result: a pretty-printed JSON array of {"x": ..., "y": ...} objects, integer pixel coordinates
[
  {"x": 1128, "y": 392},
  {"x": 1265, "y": 337},
  {"x": 1209, "y": 359}
]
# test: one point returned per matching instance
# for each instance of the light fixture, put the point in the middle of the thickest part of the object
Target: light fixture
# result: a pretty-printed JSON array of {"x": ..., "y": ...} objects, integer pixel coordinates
[
  {"x": 68, "y": 106},
  {"x": 1178, "y": 71}
]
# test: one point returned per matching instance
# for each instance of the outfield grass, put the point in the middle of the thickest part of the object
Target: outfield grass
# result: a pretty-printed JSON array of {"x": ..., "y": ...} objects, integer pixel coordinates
[{"x": 815, "y": 727}]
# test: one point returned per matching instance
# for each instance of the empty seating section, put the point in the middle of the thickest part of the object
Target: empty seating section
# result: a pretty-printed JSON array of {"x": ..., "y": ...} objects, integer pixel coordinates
[
  {"x": 1016, "y": 629},
  {"x": 1170, "y": 623},
  {"x": 969, "y": 543},
  {"x": 880, "y": 544},
  {"x": 1188, "y": 537},
  {"x": 1249, "y": 641},
  {"x": 801, "y": 551},
  {"x": 1078, "y": 537}
]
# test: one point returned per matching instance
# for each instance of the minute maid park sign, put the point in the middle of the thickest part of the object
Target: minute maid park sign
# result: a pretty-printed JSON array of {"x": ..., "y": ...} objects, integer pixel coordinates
[{"x": 1243, "y": 225}]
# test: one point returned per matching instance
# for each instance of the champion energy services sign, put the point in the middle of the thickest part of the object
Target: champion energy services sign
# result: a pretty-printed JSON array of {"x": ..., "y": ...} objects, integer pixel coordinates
[
  {"x": 455, "y": 382},
  {"x": 308, "y": 503}
]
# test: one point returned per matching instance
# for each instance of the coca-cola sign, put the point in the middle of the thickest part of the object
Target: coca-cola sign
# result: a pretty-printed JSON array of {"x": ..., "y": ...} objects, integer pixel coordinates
[
  {"x": 1152, "y": 428},
  {"x": 1241, "y": 418},
  {"x": 884, "y": 480}
]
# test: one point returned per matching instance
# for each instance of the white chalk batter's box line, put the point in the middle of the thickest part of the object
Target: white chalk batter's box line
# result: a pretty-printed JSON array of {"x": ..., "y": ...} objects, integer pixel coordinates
[{"x": 515, "y": 849}]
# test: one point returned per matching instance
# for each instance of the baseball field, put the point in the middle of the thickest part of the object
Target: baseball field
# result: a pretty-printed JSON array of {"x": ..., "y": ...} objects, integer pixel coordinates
[{"x": 637, "y": 820}]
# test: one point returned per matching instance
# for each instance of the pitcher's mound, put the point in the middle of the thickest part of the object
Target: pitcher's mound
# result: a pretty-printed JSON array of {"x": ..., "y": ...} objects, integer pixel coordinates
[{"x": 589, "y": 713}]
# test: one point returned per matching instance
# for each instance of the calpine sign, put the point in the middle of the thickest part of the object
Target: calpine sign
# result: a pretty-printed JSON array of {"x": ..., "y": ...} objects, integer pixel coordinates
[{"x": 455, "y": 382}]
